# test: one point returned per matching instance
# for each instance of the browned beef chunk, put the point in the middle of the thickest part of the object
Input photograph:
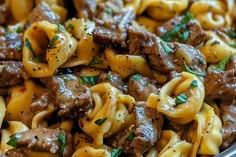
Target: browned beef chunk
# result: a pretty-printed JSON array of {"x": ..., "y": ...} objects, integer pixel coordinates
[
  {"x": 139, "y": 137},
  {"x": 13, "y": 153},
  {"x": 85, "y": 8},
  {"x": 220, "y": 85},
  {"x": 228, "y": 117},
  {"x": 11, "y": 73},
  {"x": 196, "y": 33},
  {"x": 42, "y": 102},
  {"x": 70, "y": 96},
  {"x": 3, "y": 13},
  {"x": 112, "y": 78},
  {"x": 141, "y": 87},
  {"x": 10, "y": 46},
  {"x": 43, "y": 12},
  {"x": 165, "y": 56},
  {"x": 43, "y": 139},
  {"x": 114, "y": 31}
]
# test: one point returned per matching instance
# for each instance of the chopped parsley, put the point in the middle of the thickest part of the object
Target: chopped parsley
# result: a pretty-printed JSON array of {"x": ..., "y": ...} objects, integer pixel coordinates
[
  {"x": 221, "y": 65},
  {"x": 136, "y": 77},
  {"x": 233, "y": 45},
  {"x": 90, "y": 79},
  {"x": 194, "y": 83},
  {"x": 95, "y": 60},
  {"x": 116, "y": 152},
  {"x": 166, "y": 48},
  {"x": 62, "y": 140},
  {"x": 193, "y": 72},
  {"x": 100, "y": 121},
  {"x": 69, "y": 27},
  {"x": 19, "y": 29},
  {"x": 130, "y": 137},
  {"x": 50, "y": 46},
  {"x": 108, "y": 11},
  {"x": 13, "y": 141},
  {"x": 180, "y": 99},
  {"x": 35, "y": 58},
  {"x": 215, "y": 42},
  {"x": 60, "y": 27},
  {"x": 176, "y": 31},
  {"x": 231, "y": 32}
]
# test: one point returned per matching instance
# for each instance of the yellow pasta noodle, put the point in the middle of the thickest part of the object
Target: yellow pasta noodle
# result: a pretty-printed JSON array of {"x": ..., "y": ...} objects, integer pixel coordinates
[
  {"x": 2, "y": 110},
  {"x": 44, "y": 39},
  {"x": 181, "y": 86}
]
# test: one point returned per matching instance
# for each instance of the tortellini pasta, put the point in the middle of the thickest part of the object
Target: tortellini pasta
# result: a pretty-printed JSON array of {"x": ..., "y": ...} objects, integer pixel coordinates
[
  {"x": 46, "y": 40},
  {"x": 191, "y": 98},
  {"x": 2, "y": 110},
  {"x": 104, "y": 119}
]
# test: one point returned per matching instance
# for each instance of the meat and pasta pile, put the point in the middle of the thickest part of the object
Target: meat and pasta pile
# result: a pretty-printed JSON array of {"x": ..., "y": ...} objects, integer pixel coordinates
[{"x": 109, "y": 78}]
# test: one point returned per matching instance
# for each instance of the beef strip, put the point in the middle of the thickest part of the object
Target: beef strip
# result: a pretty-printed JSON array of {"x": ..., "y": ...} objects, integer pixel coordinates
[
  {"x": 140, "y": 88},
  {"x": 11, "y": 46},
  {"x": 43, "y": 12},
  {"x": 146, "y": 130},
  {"x": 71, "y": 98},
  {"x": 3, "y": 13},
  {"x": 220, "y": 85},
  {"x": 11, "y": 73},
  {"x": 114, "y": 79},
  {"x": 13, "y": 153},
  {"x": 113, "y": 32},
  {"x": 44, "y": 139},
  {"x": 228, "y": 117},
  {"x": 196, "y": 34},
  {"x": 142, "y": 42},
  {"x": 85, "y": 8}
]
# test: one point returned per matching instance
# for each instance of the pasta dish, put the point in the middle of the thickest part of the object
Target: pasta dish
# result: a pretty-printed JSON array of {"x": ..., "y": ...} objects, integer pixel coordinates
[{"x": 115, "y": 78}]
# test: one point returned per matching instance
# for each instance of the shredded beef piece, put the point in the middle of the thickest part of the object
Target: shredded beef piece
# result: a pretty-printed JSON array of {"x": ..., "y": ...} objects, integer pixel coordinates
[
  {"x": 13, "y": 153},
  {"x": 114, "y": 32},
  {"x": 228, "y": 117},
  {"x": 142, "y": 42},
  {"x": 43, "y": 12},
  {"x": 220, "y": 85},
  {"x": 3, "y": 13},
  {"x": 146, "y": 129},
  {"x": 85, "y": 8},
  {"x": 114, "y": 79},
  {"x": 44, "y": 139},
  {"x": 196, "y": 34},
  {"x": 141, "y": 88},
  {"x": 71, "y": 98},
  {"x": 11, "y": 73},
  {"x": 11, "y": 46}
]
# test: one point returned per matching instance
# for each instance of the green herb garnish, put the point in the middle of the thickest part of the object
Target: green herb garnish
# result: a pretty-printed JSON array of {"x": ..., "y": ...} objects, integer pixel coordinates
[
  {"x": 136, "y": 77},
  {"x": 130, "y": 137},
  {"x": 53, "y": 41},
  {"x": 60, "y": 27},
  {"x": 194, "y": 83},
  {"x": 183, "y": 37},
  {"x": 90, "y": 79},
  {"x": 193, "y": 72},
  {"x": 19, "y": 29},
  {"x": 116, "y": 152},
  {"x": 69, "y": 27},
  {"x": 108, "y": 11},
  {"x": 231, "y": 120},
  {"x": 13, "y": 141},
  {"x": 215, "y": 42},
  {"x": 231, "y": 32},
  {"x": 187, "y": 17},
  {"x": 180, "y": 99},
  {"x": 28, "y": 44},
  {"x": 221, "y": 65},
  {"x": 233, "y": 45},
  {"x": 95, "y": 60},
  {"x": 166, "y": 48},
  {"x": 100, "y": 121},
  {"x": 62, "y": 140}
]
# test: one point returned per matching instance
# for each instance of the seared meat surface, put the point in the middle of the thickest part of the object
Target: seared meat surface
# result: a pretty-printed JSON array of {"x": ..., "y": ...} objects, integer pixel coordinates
[
  {"x": 43, "y": 139},
  {"x": 11, "y": 46}
]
